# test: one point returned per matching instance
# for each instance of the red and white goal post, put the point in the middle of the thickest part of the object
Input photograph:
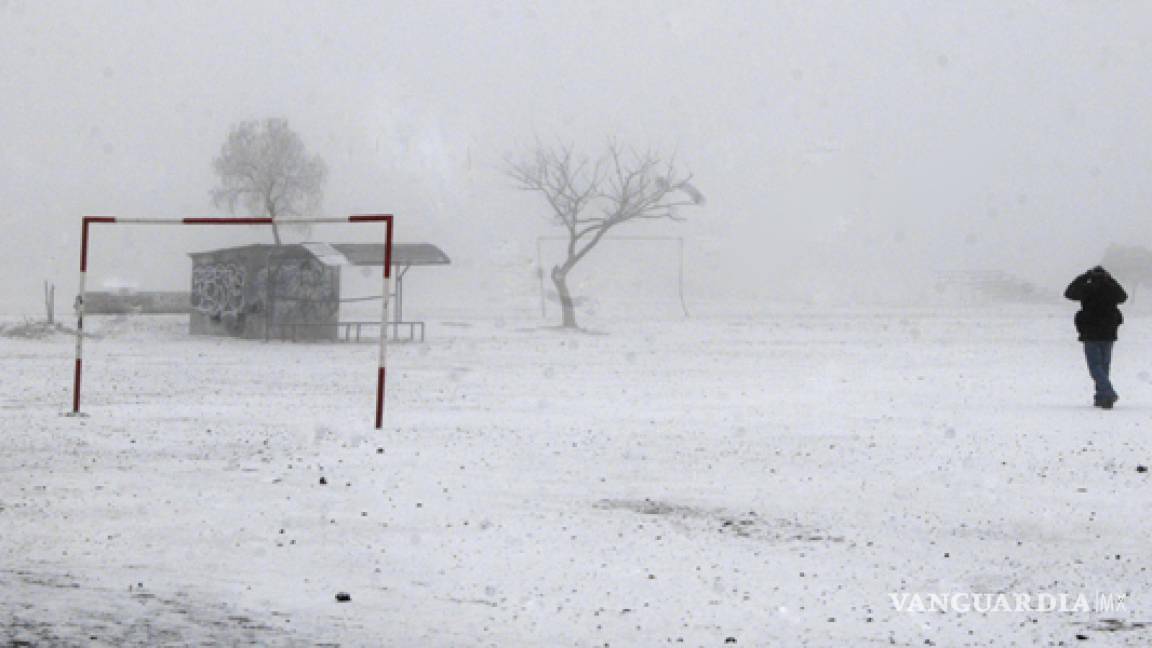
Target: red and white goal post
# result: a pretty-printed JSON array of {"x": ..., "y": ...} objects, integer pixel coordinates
[{"x": 360, "y": 218}]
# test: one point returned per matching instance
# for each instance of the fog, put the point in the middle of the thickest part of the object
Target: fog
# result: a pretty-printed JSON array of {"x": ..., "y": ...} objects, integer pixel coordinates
[{"x": 848, "y": 150}]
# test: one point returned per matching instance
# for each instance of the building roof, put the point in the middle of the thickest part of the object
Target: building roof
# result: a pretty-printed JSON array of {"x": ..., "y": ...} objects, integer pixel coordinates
[
  {"x": 403, "y": 254},
  {"x": 358, "y": 254}
]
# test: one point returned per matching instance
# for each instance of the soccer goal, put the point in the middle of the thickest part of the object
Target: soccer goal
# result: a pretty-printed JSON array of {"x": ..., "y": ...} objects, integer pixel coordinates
[
  {"x": 89, "y": 221},
  {"x": 654, "y": 266}
]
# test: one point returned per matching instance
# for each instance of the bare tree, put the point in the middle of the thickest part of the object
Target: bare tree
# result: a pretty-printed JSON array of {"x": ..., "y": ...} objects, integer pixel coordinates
[
  {"x": 264, "y": 167},
  {"x": 50, "y": 301},
  {"x": 589, "y": 198}
]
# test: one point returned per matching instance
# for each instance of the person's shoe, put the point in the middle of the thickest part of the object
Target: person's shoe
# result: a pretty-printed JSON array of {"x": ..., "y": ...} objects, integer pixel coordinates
[{"x": 1107, "y": 403}]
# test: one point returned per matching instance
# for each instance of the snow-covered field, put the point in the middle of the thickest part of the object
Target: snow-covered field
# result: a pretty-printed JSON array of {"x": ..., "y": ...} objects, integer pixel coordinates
[{"x": 756, "y": 482}]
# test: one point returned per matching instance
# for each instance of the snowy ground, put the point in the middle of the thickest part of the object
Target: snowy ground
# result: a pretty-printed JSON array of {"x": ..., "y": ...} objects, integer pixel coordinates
[{"x": 759, "y": 481}]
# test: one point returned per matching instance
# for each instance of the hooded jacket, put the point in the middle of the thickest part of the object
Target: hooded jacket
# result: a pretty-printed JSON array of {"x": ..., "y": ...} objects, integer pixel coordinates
[{"x": 1098, "y": 294}]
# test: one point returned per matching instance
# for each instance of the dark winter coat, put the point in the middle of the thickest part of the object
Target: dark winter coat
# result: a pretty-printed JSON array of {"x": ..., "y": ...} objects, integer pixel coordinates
[{"x": 1098, "y": 294}]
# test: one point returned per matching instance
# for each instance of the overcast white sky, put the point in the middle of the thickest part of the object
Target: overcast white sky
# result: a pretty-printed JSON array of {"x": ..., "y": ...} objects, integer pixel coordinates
[{"x": 835, "y": 140}]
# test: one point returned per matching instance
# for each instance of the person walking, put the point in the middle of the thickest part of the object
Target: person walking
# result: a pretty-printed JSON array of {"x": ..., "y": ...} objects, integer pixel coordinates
[{"x": 1096, "y": 322}]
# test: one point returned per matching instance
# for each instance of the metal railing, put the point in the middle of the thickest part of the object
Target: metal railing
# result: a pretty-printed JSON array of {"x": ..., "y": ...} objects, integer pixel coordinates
[{"x": 350, "y": 331}]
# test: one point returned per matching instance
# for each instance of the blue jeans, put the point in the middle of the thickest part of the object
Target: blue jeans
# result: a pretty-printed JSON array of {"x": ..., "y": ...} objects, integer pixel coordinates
[{"x": 1099, "y": 357}]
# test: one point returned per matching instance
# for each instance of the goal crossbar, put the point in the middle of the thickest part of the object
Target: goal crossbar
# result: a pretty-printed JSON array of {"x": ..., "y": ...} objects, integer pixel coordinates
[{"x": 357, "y": 218}]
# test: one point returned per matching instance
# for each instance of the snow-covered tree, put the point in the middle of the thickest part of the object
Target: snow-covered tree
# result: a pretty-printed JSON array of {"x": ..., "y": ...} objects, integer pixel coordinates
[
  {"x": 589, "y": 198},
  {"x": 264, "y": 167}
]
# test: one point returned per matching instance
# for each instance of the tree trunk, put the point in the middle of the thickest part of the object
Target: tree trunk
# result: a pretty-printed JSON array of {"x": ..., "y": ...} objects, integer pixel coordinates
[
  {"x": 50, "y": 301},
  {"x": 270, "y": 207},
  {"x": 567, "y": 308}
]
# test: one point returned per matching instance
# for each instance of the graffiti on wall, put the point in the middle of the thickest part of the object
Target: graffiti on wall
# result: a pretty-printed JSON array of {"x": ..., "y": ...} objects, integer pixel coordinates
[
  {"x": 218, "y": 290},
  {"x": 303, "y": 291},
  {"x": 274, "y": 296}
]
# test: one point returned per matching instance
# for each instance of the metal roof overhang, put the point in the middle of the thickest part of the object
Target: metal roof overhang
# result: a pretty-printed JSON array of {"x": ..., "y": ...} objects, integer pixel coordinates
[{"x": 403, "y": 254}]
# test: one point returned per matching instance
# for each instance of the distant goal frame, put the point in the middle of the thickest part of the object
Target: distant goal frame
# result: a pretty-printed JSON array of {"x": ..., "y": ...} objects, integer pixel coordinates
[
  {"x": 88, "y": 221},
  {"x": 678, "y": 240}
]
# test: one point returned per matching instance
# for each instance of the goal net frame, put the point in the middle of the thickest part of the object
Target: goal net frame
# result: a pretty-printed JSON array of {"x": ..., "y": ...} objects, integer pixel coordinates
[
  {"x": 678, "y": 240},
  {"x": 88, "y": 221}
]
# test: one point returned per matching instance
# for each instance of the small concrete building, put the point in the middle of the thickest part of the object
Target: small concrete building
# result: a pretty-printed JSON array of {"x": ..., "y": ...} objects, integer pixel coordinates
[{"x": 293, "y": 291}]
